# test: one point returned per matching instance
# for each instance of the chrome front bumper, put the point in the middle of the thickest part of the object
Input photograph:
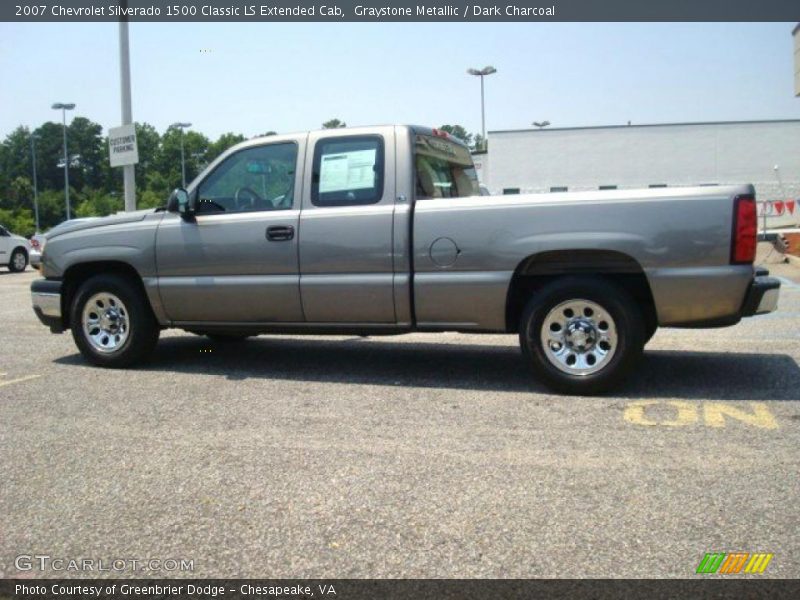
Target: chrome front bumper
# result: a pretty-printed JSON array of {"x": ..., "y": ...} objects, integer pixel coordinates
[{"x": 46, "y": 300}]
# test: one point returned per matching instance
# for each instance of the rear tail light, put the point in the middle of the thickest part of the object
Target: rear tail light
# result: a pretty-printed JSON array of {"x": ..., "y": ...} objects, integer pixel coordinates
[
  {"x": 35, "y": 244},
  {"x": 743, "y": 242}
]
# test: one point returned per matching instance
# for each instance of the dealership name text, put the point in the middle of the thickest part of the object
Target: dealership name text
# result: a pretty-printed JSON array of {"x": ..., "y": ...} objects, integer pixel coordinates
[{"x": 190, "y": 589}]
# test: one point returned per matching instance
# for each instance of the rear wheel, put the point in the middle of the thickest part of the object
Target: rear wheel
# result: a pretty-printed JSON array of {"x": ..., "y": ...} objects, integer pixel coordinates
[
  {"x": 582, "y": 335},
  {"x": 112, "y": 323},
  {"x": 18, "y": 261}
]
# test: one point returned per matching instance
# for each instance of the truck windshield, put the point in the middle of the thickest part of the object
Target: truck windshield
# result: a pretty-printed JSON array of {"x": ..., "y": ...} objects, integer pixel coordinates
[{"x": 443, "y": 169}]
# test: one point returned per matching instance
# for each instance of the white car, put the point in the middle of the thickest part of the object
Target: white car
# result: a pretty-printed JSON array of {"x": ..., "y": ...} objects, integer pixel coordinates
[{"x": 15, "y": 251}]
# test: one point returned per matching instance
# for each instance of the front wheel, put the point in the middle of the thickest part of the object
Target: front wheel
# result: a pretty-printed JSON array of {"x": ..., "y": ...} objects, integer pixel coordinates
[
  {"x": 582, "y": 335},
  {"x": 112, "y": 323}
]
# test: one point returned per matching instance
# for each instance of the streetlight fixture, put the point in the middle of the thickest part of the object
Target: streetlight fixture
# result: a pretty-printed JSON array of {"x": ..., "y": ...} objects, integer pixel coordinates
[
  {"x": 64, "y": 107},
  {"x": 488, "y": 70},
  {"x": 35, "y": 137},
  {"x": 182, "y": 126}
]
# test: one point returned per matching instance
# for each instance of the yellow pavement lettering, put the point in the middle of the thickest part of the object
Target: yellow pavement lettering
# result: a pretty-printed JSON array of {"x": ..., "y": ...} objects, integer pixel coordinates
[
  {"x": 714, "y": 414},
  {"x": 686, "y": 413},
  {"x": 634, "y": 413}
]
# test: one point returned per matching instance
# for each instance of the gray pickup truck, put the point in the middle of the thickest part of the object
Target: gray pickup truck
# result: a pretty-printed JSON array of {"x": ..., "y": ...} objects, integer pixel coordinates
[{"x": 382, "y": 230}]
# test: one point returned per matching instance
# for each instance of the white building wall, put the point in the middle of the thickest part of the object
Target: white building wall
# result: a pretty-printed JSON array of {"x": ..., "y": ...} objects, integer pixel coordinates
[{"x": 639, "y": 156}]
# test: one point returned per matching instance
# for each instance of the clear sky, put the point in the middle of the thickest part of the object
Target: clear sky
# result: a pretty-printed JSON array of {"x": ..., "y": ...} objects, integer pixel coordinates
[{"x": 250, "y": 78}]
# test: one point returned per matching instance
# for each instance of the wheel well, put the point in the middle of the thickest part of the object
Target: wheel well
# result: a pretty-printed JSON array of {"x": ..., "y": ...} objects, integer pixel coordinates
[
  {"x": 20, "y": 248},
  {"x": 75, "y": 275},
  {"x": 540, "y": 269}
]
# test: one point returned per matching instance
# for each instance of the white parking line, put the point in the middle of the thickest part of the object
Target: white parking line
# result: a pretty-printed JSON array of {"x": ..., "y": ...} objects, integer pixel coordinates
[{"x": 17, "y": 380}]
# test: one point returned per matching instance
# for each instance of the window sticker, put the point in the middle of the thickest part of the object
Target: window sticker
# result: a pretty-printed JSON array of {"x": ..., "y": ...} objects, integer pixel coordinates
[{"x": 347, "y": 171}]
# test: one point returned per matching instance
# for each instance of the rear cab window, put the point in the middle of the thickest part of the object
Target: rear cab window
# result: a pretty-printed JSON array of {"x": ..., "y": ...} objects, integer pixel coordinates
[{"x": 443, "y": 169}]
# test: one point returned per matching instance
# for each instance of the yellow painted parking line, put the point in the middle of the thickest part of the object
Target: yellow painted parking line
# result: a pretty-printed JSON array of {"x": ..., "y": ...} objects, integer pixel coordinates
[{"x": 4, "y": 383}]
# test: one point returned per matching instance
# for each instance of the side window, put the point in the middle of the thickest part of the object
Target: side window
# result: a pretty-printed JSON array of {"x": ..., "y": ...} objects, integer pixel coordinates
[
  {"x": 255, "y": 179},
  {"x": 443, "y": 169},
  {"x": 348, "y": 171},
  {"x": 3, "y": 232}
]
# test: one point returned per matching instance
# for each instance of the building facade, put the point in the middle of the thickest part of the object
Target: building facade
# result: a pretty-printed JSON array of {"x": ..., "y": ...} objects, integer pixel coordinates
[{"x": 764, "y": 153}]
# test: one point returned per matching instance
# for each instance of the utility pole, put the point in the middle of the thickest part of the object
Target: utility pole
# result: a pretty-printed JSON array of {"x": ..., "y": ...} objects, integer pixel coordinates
[
  {"x": 182, "y": 126},
  {"x": 35, "y": 185},
  {"x": 482, "y": 73},
  {"x": 64, "y": 107},
  {"x": 128, "y": 172}
]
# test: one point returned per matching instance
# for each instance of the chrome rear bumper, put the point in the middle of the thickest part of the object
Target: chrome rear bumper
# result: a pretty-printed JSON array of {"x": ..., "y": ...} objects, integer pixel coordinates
[{"x": 762, "y": 295}]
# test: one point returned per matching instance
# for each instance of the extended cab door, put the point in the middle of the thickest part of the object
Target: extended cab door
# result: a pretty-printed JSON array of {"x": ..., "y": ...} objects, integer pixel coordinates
[
  {"x": 237, "y": 261},
  {"x": 346, "y": 258}
]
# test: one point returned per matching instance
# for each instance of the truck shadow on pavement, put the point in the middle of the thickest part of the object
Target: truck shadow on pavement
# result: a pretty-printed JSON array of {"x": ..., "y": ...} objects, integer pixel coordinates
[{"x": 376, "y": 361}]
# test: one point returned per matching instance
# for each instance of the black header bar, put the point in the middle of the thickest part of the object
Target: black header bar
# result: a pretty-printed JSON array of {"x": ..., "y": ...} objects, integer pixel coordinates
[{"x": 385, "y": 11}]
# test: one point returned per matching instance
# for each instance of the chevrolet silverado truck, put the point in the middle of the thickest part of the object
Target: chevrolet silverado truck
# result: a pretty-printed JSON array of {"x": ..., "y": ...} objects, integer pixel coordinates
[{"x": 382, "y": 230}]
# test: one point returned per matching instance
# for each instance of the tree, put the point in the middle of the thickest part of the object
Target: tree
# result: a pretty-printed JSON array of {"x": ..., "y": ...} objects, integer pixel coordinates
[
  {"x": 97, "y": 203},
  {"x": 334, "y": 124},
  {"x": 85, "y": 138},
  {"x": 148, "y": 142},
  {"x": 269, "y": 133},
  {"x": 459, "y": 132},
  {"x": 225, "y": 141},
  {"x": 18, "y": 221},
  {"x": 168, "y": 161}
]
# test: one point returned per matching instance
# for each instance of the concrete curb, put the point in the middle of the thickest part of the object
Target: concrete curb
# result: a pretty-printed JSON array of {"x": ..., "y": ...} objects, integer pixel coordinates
[{"x": 793, "y": 260}]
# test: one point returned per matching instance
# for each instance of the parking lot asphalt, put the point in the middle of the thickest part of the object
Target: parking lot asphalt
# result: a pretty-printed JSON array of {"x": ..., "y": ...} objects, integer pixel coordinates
[{"x": 421, "y": 455}]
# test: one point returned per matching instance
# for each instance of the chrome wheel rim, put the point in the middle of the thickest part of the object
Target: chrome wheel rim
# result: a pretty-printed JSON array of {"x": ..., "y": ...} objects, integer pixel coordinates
[
  {"x": 19, "y": 261},
  {"x": 579, "y": 337},
  {"x": 105, "y": 322}
]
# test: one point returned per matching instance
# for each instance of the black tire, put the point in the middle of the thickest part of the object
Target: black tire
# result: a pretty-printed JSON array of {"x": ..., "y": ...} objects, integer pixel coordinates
[
  {"x": 14, "y": 257},
  {"x": 142, "y": 327},
  {"x": 650, "y": 331},
  {"x": 627, "y": 322}
]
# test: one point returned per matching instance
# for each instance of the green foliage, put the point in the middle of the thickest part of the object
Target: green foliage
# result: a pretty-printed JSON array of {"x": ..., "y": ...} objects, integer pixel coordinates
[
  {"x": 225, "y": 141},
  {"x": 334, "y": 124},
  {"x": 459, "y": 132},
  {"x": 97, "y": 203},
  {"x": 151, "y": 199},
  {"x": 95, "y": 188},
  {"x": 18, "y": 221}
]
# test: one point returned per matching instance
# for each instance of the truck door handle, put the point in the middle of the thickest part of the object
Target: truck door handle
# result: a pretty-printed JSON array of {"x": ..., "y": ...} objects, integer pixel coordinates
[{"x": 280, "y": 233}]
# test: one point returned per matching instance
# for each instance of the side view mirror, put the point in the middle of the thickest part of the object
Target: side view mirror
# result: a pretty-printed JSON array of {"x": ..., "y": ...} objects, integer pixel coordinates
[{"x": 181, "y": 202}]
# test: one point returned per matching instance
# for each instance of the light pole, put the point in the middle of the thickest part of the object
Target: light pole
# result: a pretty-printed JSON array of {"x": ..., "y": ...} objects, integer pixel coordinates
[
  {"x": 34, "y": 137},
  {"x": 64, "y": 107},
  {"x": 128, "y": 171},
  {"x": 488, "y": 70},
  {"x": 182, "y": 126}
]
